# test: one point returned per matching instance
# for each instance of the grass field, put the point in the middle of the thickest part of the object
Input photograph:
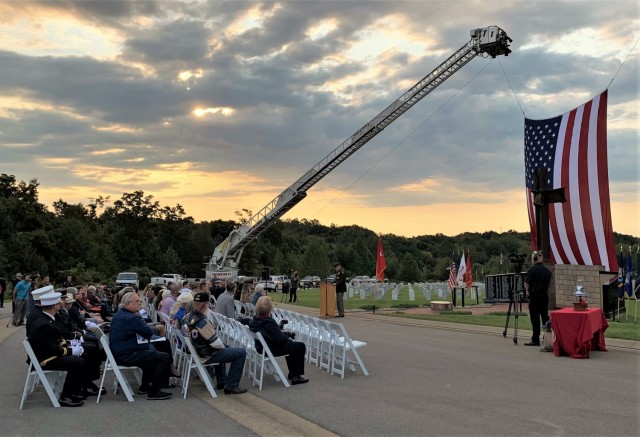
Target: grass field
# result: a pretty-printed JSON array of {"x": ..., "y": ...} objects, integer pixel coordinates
[{"x": 621, "y": 329}]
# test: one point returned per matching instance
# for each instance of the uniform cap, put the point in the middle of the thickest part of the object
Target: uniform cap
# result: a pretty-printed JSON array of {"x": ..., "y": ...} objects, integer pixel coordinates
[
  {"x": 50, "y": 299},
  {"x": 201, "y": 297},
  {"x": 38, "y": 293}
]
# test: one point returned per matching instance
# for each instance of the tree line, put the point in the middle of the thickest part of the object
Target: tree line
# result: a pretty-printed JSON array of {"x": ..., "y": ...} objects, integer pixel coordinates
[{"x": 96, "y": 240}]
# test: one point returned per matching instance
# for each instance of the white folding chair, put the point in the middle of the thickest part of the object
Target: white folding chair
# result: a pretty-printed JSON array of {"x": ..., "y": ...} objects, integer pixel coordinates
[
  {"x": 343, "y": 348},
  {"x": 237, "y": 305},
  {"x": 110, "y": 365},
  {"x": 193, "y": 362},
  {"x": 265, "y": 361},
  {"x": 51, "y": 380}
]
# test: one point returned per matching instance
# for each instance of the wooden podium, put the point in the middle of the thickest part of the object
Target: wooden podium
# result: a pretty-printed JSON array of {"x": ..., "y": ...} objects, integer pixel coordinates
[{"x": 327, "y": 300}]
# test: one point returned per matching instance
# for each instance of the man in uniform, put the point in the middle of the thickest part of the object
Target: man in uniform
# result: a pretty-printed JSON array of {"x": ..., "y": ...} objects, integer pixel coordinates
[
  {"x": 536, "y": 284},
  {"x": 203, "y": 335},
  {"x": 55, "y": 353},
  {"x": 341, "y": 288}
]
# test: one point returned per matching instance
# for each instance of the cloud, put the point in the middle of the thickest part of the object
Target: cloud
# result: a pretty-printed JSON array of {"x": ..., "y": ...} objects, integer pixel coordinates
[{"x": 180, "y": 97}]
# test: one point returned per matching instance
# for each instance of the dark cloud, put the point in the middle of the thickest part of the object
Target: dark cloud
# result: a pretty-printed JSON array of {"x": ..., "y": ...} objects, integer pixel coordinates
[{"x": 469, "y": 130}]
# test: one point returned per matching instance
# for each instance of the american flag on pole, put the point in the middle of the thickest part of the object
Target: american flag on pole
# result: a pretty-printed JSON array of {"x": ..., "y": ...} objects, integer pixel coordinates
[
  {"x": 572, "y": 147},
  {"x": 452, "y": 275}
]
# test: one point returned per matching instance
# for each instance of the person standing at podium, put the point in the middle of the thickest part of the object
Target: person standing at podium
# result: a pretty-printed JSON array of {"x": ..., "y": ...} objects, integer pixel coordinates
[
  {"x": 341, "y": 288},
  {"x": 536, "y": 284}
]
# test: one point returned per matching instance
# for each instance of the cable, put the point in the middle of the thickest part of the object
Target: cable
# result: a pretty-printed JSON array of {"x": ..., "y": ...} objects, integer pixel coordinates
[
  {"x": 403, "y": 140},
  {"x": 625, "y": 60},
  {"x": 514, "y": 91}
]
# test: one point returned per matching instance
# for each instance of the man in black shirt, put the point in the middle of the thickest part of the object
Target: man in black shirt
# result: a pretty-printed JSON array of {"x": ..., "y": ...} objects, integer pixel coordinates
[
  {"x": 341, "y": 288},
  {"x": 536, "y": 284}
]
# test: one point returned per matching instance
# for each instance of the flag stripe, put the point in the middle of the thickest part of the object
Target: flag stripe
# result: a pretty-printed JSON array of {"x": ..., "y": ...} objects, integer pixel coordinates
[
  {"x": 607, "y": 249},
  {"x": 573, "y": 149}
]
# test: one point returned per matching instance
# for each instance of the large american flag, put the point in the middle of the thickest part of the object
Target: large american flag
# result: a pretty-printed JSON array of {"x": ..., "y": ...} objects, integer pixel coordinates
[{"x": 572, "y": 147}]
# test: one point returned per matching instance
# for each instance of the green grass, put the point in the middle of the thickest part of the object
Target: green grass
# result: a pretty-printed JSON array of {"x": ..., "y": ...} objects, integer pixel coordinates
[{"x": 620, "y": 329}]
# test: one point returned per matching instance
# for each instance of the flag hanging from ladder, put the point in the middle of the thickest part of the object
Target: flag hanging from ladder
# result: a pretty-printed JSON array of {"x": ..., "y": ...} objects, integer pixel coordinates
[{"x": 572, "y": 147}]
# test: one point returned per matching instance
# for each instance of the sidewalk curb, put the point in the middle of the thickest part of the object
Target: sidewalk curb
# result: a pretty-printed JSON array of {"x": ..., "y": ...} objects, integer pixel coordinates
[{"x": 460, "y": 327}]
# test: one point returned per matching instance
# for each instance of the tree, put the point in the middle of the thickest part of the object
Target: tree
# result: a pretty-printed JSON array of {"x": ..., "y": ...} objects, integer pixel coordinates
[
  {"x": 315, "y": 258},
  {"x": 409, "y": 270}
]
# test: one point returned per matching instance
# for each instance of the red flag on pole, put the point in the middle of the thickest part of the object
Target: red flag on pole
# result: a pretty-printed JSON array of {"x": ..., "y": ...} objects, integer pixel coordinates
[
  {"x": 381, "y": 264},
  {"x": 469, "y": 276}
]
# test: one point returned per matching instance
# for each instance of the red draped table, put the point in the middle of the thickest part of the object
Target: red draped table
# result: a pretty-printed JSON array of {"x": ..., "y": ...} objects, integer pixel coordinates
[{"x": 576, "y": 333}]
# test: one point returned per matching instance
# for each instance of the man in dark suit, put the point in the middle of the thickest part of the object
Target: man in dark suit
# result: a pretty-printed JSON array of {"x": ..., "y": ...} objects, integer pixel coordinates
[
  {"x": 341, "y": 288},
  {"x": 129, "y": 340},
  {"x": 55, "y": 353}
]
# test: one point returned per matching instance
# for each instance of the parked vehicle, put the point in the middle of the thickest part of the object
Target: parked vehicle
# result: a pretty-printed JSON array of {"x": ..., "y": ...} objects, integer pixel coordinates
[
  {"x": 168, "y": 278},
  {"x": 310, "y": 282},
  {"x": 331, "y": 279},
  {"x": 360, "y": 280},
  {"x": 276, "y": 283},
  {"x": 128, "y": 279}
]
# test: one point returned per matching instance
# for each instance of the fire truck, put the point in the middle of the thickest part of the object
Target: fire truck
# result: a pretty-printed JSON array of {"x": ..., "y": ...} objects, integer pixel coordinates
[{"x": 488, "y": 41}]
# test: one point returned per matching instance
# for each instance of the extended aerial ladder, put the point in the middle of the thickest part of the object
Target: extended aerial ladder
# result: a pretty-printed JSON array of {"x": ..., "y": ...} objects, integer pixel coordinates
[{"x": 490, "y": 41}]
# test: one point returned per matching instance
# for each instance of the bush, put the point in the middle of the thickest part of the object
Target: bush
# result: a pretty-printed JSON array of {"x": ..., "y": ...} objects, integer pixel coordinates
[
  {"x": 369, "y": 307},
  {"x": 405, "y": 305},
  {"x": 457, "y": 313}
]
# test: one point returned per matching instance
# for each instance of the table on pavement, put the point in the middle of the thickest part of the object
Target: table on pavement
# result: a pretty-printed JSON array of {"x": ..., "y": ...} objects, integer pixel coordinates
[{"x": 576, "y": 333}]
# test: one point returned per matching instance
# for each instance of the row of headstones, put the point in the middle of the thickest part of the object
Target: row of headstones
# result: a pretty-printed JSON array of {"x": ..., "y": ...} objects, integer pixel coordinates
[{"x": 428, "y": 290}]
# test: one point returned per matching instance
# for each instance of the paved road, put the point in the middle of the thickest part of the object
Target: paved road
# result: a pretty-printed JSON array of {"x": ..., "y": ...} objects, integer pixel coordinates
[{"x": 425, "y": 380}]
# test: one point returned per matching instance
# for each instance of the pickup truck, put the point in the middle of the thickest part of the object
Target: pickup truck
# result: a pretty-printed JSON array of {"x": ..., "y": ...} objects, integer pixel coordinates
[
  {"x": 168, "y": 278},
  {"x": 128, "y": 279}
]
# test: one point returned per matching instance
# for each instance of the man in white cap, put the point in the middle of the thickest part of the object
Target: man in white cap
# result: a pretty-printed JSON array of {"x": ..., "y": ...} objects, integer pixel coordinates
[
  {"x": 37, "y": 307},
  {"x": 56, "y": 353}
]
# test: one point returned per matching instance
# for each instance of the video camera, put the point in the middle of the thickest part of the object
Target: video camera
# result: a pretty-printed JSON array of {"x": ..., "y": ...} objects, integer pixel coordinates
[
  {"x": 291, "y": 335},
  {"x": 517, "y": 259}
]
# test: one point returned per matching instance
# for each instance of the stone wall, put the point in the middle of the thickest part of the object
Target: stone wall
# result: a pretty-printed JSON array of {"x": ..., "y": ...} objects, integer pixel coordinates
[{"x": 592, "y": 280}]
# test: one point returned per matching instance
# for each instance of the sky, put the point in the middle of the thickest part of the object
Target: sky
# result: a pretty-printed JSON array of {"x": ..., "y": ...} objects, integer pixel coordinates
[{"x": 221, "y": 105}]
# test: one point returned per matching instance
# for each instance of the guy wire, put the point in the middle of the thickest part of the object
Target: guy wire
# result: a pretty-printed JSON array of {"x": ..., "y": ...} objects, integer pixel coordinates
[
  {"x": 512, "y": 90},
  {"x": 623, "y": 62}
]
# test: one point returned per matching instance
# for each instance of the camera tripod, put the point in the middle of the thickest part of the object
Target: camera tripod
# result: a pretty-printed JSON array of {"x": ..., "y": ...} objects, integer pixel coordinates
[{"x": 516, "y": 304}]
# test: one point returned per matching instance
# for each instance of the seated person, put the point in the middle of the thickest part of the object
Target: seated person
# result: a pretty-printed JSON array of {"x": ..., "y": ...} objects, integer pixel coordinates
[
  {"x": 168, "y": 300},
  {"x": 81, "y": 311},
  {"x": 279, "y": 341},
  {"x": 129, "y": 337},
  {"x": 203, "y": 335},
  {"x": 225, "y": 305},
  {"x": 55, "y": 353},
  {"x": 257, "y": 294},
  {"x": 180, "y": 308}
]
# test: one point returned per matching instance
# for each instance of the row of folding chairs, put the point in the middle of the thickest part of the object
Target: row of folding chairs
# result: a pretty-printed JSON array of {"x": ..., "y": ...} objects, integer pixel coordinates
[
  {"x": 329, "y": 346},
  {"x": 244, "y": 309}
]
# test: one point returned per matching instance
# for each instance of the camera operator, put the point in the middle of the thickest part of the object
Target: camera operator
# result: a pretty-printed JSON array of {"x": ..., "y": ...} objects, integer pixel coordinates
[
  {"x": 536, "y": 284},
  {"x": 279, "y": 341}
]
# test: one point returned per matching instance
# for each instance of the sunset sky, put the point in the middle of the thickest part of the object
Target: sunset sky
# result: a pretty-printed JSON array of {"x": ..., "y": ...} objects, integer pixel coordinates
[{"x": 221, "y": 105}]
